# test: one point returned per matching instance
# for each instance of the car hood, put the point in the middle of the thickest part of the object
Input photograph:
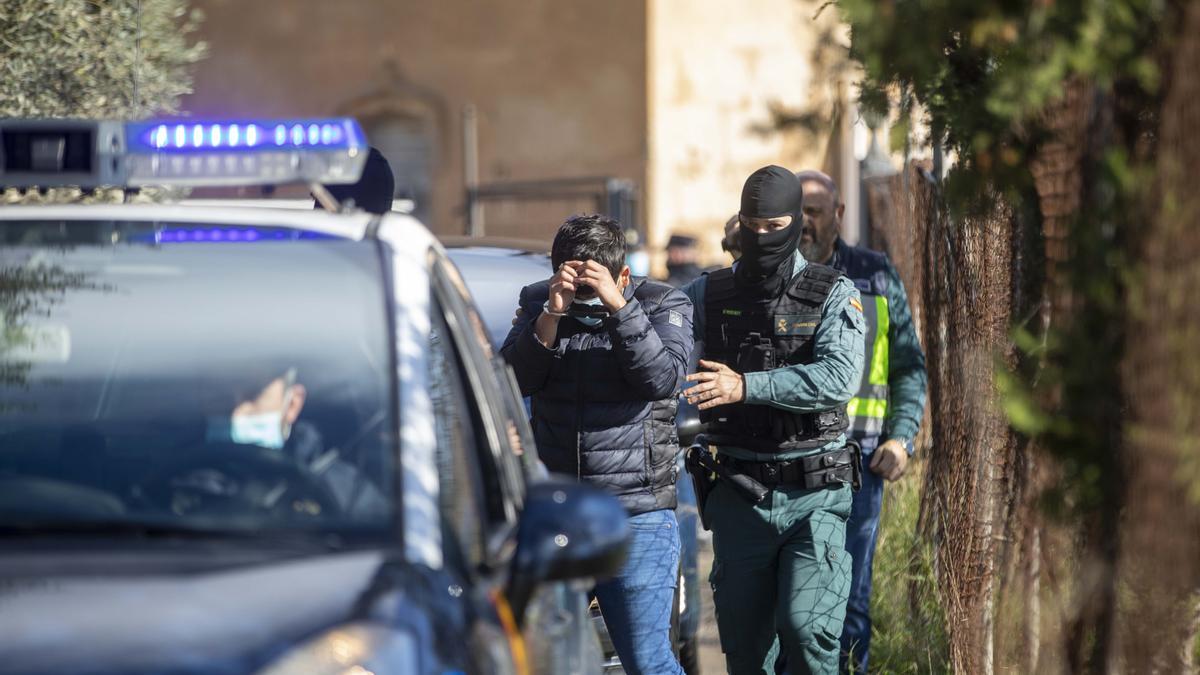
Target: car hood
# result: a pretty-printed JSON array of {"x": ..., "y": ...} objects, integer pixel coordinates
[{"x": 155, "y": 613}]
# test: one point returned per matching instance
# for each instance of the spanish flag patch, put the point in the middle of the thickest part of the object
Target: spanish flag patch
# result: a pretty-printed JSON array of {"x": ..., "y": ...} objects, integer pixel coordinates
[{"x": 856, "y": 304}]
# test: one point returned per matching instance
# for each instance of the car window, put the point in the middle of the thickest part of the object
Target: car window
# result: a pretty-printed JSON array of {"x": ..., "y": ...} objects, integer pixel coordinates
[
  {"x": 516, "y": 419},
  {"x": 456, "y": 426},
  {"x": 499, "y": 455},
  {"x": 208, "y": 377},
  {"x": 495, "y": 278}
]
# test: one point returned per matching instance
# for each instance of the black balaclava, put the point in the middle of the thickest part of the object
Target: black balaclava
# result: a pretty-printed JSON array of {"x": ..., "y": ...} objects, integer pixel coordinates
[
  {"x": 767, "y": 259},
  {"x": 374, "y": 189}
]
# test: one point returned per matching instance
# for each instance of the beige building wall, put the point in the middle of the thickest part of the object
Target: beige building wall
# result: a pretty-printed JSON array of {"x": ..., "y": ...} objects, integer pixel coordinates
[
  {"x": 559, "y": 85},
  {"x": 717, "y": 69},
  {"x": 676, "y": 95}
]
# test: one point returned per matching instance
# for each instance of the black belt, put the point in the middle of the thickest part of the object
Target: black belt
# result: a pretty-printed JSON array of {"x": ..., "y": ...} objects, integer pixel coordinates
[{"x": 838, "y": 467}]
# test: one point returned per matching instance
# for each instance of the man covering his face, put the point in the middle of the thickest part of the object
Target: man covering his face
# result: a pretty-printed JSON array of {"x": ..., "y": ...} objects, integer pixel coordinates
[
  {"x": 602, "y": 354},
  {"x": 266, "y": 413}
]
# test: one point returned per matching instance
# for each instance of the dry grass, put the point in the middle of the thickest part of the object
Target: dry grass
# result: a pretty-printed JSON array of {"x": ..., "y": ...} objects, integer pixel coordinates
[{"x": 909, "y": 624}]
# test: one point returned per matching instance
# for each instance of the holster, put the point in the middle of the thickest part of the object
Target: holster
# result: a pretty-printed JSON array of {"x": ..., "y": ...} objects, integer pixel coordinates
[
  {"x": 709, "y": 468},
  {"x": 703, "y": 479},
  {"x": 855, "y": 449}
]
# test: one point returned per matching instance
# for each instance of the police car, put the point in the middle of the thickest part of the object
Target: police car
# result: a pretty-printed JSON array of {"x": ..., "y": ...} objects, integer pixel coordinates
[{"x": 259, "y": 440}]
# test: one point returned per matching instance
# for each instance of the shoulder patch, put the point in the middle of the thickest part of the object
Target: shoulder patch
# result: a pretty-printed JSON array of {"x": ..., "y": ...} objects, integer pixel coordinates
[
  {"x": 675, "y": 318},
  {"x": 856, "y": 304}
]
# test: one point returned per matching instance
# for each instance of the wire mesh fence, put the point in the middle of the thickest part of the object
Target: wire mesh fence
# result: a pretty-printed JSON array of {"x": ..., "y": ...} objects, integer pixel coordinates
[
  {"x": 1021, "y": 590},
  {"x": 959, "y": 277}
]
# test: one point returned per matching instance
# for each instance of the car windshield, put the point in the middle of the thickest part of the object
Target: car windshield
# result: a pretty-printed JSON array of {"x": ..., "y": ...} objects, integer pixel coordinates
[{"x": 203, "y": 379}]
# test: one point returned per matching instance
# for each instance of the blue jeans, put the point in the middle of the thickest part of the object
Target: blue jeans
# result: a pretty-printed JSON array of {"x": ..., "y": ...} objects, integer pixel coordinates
[
  {"x": 637, "y": 603},
  {"x": 862, "y": 531}
]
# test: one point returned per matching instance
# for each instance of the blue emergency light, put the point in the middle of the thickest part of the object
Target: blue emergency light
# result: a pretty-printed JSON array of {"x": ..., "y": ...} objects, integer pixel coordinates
[
  {"x": 89, "y": 153},
  {"x": 242, "y": 137},
  {"x": 235, "y": 234}
]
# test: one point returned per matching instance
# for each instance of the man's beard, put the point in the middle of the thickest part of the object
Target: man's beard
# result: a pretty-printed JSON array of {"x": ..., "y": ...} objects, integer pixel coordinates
[
  {"x": 814, "y": 251},
  {"x": 818, "y": 241}
]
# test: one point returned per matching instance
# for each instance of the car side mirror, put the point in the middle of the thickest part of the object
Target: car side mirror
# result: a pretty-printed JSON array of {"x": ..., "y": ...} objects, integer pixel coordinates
[{"x": 568, "y": 530}]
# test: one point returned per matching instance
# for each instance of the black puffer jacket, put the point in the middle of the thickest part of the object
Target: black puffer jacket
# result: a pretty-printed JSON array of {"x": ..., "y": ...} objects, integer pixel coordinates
[{"x": 604, "y": 399}]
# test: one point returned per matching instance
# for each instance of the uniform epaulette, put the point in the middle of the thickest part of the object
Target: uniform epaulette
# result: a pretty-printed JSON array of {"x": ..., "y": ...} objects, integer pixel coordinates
[
  {"x": 721, "y": 286},
  {"x": 814, "y": 283}
]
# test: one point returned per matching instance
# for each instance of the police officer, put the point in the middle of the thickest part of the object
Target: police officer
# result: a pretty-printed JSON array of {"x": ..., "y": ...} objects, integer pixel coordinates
[
  {"x": 886, "y": 411},
  {"x": 730, "y": 243},
  {"x": 782, "y": 354}
]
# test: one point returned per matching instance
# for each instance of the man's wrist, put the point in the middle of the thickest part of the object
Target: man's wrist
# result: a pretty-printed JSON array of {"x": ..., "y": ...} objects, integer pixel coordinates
[
  {"x": 905, "y": 442},
  {"x": 615, "y": 306},
  {"x": 549, "y": 312}
]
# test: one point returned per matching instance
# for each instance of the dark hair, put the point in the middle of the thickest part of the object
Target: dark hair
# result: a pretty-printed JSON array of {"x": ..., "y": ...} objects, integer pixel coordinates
[
  {"x": 732, "y": 241},
  {"x": 590, "y": 237}
]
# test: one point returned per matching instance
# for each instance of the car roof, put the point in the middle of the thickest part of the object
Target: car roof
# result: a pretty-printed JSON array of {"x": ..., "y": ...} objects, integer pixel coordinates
[
  {"x": 495, "y": 277},
  {"x": 496, "y": 245},
  {"x": 290, "y": 203},
  {"x": 350, "y": 226}
]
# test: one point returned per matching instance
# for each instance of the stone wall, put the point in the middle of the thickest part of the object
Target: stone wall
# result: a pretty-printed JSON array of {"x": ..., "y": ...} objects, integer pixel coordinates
[{"x": 717, "y": 69}]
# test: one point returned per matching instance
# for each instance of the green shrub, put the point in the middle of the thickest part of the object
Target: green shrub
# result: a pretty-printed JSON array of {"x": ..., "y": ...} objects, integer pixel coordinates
[
  {"x": 121, "y": 59},
  {"x": 126, "y": 59}
]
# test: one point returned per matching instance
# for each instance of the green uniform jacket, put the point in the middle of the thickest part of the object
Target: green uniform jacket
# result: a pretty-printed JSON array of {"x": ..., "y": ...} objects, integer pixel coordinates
[{"x": 829, "y": 381}]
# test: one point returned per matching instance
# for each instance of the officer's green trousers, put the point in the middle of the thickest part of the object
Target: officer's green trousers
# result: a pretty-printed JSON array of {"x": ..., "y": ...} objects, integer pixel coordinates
[{"x": 781, "y": 575}]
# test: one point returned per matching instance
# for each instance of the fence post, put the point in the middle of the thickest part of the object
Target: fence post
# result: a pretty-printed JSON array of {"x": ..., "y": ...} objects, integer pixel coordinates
[{"x": 470, "y": 133}]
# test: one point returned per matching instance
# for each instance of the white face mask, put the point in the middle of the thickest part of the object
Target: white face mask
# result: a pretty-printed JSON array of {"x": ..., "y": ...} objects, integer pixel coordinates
[
  {"x": 589, "y": 321},
  {"x": 265, "y": 429}
]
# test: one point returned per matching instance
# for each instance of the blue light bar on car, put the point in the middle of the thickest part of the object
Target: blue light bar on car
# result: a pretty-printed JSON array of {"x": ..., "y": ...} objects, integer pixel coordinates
[
  {"x": 244, "y": 152},
  {"x": 98, "y": 153},
  {"x": 244, "y": 136},
  {"x": 182, "y": 235}
]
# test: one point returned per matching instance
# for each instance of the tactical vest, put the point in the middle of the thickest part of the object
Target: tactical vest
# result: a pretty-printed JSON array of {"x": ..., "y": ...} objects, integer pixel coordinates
[
  {"x": 868, "y": 409},
  {"x": 752, "y": 336}
]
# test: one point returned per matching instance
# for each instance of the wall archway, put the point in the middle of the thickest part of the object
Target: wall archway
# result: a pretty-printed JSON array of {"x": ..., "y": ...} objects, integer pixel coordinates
[{"x": 408, "y": 123}]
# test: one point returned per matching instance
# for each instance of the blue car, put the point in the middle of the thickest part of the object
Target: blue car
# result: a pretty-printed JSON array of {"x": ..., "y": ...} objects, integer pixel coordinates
[{"x": 496, "y": 270}]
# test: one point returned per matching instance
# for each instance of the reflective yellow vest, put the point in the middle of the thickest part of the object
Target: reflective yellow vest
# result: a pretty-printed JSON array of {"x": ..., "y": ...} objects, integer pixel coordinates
[{"x": 868, "y": 409}]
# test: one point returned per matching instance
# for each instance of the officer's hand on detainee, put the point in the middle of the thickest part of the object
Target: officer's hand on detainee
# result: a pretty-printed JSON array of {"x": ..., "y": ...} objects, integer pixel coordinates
[
  {"x": 720, "y": 385},
  {"x": 517, "y": 316},
  {"x": 562, "y": 287},
  {"x": 890, "y": 460},
  {"x": 598, "y": 277}
]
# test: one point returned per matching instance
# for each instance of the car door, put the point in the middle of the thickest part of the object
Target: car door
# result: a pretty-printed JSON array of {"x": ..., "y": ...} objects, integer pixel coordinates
[
  {"x": 477, "y": 501},
  {"x": 502, "y": 439},
  {"x": 558, "y": 632}
]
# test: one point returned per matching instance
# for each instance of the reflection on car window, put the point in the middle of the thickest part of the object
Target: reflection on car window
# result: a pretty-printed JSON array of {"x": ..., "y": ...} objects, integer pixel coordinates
[
  {"x": 207, "y": 383},
  {"x": 454, "y": 423},
  {"x": 477, "y": 329}
]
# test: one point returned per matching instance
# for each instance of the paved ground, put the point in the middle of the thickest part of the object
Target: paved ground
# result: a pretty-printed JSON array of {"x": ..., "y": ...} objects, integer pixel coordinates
[{"x": 712, "y": 661}]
